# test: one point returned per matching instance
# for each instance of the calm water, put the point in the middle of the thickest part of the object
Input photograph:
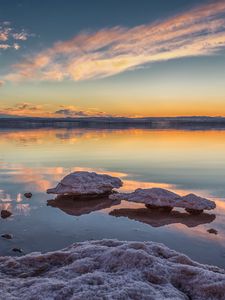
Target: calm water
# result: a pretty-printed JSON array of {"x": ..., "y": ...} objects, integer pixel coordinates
[{"x": 183, "y": 161}]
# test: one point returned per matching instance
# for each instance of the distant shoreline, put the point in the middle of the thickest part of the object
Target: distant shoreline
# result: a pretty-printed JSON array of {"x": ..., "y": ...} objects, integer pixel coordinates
[{"x": 114, "y": 122}]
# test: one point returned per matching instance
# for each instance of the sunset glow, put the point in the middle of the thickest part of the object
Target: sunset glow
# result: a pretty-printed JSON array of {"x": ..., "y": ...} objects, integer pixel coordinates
[
  {"x": 171, "y": 65},
  {"x": 112, "y": 149}
]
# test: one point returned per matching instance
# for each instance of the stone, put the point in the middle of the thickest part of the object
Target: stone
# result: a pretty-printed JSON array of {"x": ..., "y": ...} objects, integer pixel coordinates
[
  {"x": 19, "y": 250},
  {"x": 5, "y": 214},
  {"x": 28, "y": 195},
  {"x": 157, "y": 198},
  {"x": 194, "y": 211},
  {"x": 153, "y": 197},
  {"x": 212, "y": 231},
  {"x": 165, "y": 208},
  {"x": 7, "y": 236},
  {"x": 86, "y": 183},
  {"x": 196, "y": 203}
]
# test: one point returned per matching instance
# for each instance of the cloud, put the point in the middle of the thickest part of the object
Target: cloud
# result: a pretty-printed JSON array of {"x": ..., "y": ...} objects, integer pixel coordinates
[
  {"x": 27, "y": 106},
  {"x": 10, "y": 38},
  {"x": 36, "y": 110},
  {"x": 200, "y": 31},
  {"x": 72, "y": 112},
  {"x": 24, "y": 109}
]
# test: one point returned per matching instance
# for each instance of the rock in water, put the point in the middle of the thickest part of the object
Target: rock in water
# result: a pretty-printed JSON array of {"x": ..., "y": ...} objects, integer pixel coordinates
[
  {"x": 86, "y": 183},
  {"x": 161, "y": 198},
  {"x": 194, "y": 204},
  {"x": 212, "y": 231},
  {"x": 19, "y": 250},
  {"x": 7, "y": 236},
  {"x": 110, "y": 269},
  {"x": 28, "y": 195},
  {"x": 5, "y": 213}
]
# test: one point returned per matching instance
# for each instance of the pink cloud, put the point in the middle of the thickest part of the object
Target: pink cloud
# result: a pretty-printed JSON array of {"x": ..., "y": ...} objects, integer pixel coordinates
[
  {"x": 10, "y": 38},
  {"x": 200, "y": 31}
]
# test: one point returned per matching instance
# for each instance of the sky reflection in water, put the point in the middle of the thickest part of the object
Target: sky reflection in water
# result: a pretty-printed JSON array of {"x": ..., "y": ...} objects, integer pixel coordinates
[{"x": 182, "y": 161}]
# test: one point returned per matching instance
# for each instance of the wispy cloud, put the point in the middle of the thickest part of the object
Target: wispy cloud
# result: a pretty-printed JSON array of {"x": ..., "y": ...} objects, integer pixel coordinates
[
  {"x": 200, "y": 31},
  {"x": 10, "y": 38},
  {"x": 36, "y": 110}
]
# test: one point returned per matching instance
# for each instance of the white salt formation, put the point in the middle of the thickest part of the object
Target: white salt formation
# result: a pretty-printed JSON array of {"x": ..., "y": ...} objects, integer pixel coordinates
[
  {"x": 86, "y": 183},
  {"x": 110, "y": 269},
  {"x": 193, "y": 203},
  {"x": 161, "y": 198}
]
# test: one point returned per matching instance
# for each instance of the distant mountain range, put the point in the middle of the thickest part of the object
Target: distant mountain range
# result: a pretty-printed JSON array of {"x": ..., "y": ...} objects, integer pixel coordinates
[{"x": 192, "y": 122}]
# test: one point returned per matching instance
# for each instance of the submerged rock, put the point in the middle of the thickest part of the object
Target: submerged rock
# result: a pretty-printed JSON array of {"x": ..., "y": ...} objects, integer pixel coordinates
[
  {"x": 160, "y": 198},
  {"x": 110, "y": 269},
  {"x": 19, "y": 250},
  {"x": 28, "y": 195},
  {"x": 212, "y": 231},
  {"x": 5, "y": 213},
  {"x": 7, "y": 236},
  {"x": 86, "y": 183}
]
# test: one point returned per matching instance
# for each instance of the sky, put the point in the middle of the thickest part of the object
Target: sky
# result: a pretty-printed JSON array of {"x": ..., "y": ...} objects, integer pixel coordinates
[{"x": 70, "y": 58}]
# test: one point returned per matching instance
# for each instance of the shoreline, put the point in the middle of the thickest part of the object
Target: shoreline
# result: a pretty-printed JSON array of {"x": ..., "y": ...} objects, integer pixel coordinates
[{"x": 189, "y": 123}]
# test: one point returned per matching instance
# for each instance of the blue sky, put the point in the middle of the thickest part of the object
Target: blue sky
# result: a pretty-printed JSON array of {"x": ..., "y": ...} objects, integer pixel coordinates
[{"x": 127, "y": 75}]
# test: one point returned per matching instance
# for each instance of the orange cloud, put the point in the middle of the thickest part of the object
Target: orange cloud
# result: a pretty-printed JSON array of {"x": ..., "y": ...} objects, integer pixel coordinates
[
  {"x": 200, "y": 31},
  {"x": 72, "y": 111},
  {"x": 37, "y": 110},
  {"x": 25, "y": 109}
]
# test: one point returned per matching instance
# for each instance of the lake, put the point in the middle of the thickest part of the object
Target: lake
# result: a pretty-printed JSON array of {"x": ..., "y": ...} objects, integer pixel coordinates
[{"x": 178, "y": 160}]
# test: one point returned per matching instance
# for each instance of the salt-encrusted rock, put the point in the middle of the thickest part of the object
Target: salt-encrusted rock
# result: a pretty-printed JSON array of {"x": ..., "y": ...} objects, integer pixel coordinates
[
  {"x": 152, "y": 198},
  {"x": 195, "y": 204},
  {"x": 161, "y": 198},
  {"x": 110, "y": 269},
  {"x": 86, "y": 183}
]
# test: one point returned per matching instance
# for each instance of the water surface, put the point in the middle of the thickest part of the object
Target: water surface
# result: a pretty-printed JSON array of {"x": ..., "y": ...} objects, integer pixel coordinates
[{"x": 182, "y": 161}]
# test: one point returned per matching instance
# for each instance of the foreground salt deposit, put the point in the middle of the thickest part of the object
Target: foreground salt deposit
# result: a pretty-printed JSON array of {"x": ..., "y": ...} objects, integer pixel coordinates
[
  {"x": 161, "y": 198},
  {"x": 110, "y": 269},
  {"x": 86, "y": 183}
]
